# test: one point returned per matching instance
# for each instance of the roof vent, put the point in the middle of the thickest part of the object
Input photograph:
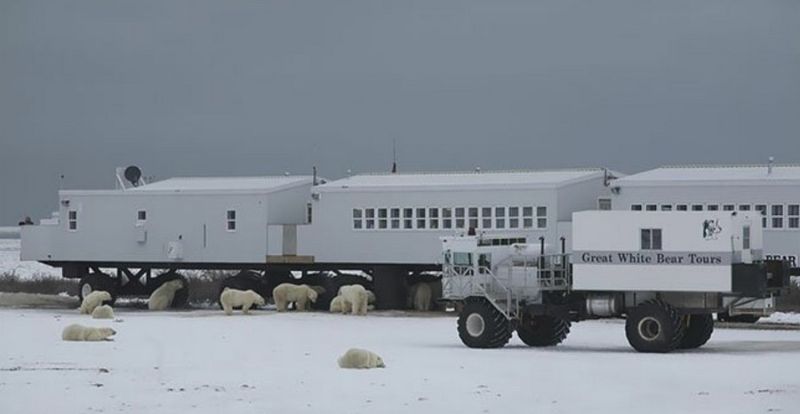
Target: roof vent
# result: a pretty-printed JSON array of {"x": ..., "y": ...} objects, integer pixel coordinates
[{"x": 769, "y": 166}]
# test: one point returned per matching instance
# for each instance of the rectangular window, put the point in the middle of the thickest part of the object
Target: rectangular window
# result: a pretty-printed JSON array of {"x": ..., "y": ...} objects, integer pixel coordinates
[
  {"x": 728, "y": 207},
  {"x": 72, "y": 220},
  {"x": 473, "y": 217},
  {"x": 141, "y": 218},
  {"x": 681, "y": 207},
  {"x": 460, "y": 217},
  {"x": 421, "y": 218},
  {"x": 527, "y": 217},
  {"x": 666, "y": 207},
  {"x": 636, "y": 207},
  {"x": 486, "y": 217},
  {"x": 433, "y": 216},
  {"x": 513, "y": 217},
  {"x": 369, "y": 213},
  {"x": 762, "y": 208},
  {"x": 408, "y": 218},
  {"x": 604, "y": 204},
  {"x": 794, "y": 216},
  {"x": 309, "y": 212},
  {"x": 746, "y": 237},
  {"x": 776, "y": 211},
  {"x": 231, "y": 218},
  {"x": 447, "y": 218},
  {"x": 383, "y": 218},
  {"x": 712, "y": 207},
  {"x": 395, "y": 216},
  {"x": 499, "y": 217},
  {"x": 651, "y": 239},
  {"x": 697, "y": 207},
  {"x": 541, "y": 217},
  {"x": 651, "y": 207},
  {"x": 744, "y": 207},
  {"x": 358, "y": 219}
]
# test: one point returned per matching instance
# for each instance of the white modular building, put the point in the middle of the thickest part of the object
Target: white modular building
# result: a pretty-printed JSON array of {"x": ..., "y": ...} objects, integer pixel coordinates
[
  {"x": 175, "y": 223},
  {"x": 397, "y": 219},
  {"x": 770, "y": 190}
]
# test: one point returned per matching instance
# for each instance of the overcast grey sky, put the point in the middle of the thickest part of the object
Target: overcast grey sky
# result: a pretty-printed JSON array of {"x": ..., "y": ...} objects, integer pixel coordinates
[{"x": 261, "y": 87}]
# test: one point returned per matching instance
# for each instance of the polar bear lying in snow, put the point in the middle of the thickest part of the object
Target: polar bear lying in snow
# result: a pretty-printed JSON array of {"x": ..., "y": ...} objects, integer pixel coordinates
[
  {"x": 360, "y": 358},
  {"x": 287, "y": 293},
  {"x": 231, "y": 298},
  {"x": 93, "y": 300},
  {"x": 103, "y": 312},
  {"x": 77, "y": 332},
  {"x": 162, "y": 297},
  {"x": 355, "y": 297}
]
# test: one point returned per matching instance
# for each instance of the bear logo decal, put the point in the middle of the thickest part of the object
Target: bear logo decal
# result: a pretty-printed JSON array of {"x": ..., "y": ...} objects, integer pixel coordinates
[{"x": 711, "y": 229}]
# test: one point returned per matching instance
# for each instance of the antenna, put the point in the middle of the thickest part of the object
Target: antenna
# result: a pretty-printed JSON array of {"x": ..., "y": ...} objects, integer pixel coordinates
[
  {"x": 394, "y": 156},
  {"x": 314, "y": 175}
]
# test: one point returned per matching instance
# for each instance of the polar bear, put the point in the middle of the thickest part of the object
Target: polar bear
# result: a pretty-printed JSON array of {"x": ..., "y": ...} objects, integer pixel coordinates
[
  {"x": 356, "y": 297},
  {"x": 287, "y": 293},
  {"x": 231, "y": 298},
  {"x": 422, "y": 296},
  {"x": 103, "y": 312},
  {"x": 93, "y": 300},
  {"x": 360, "y": 358},
  {"x": 162, "y": 297},
  {"x": 338, "y": 304},
  {"x": 77, "y": 332}
]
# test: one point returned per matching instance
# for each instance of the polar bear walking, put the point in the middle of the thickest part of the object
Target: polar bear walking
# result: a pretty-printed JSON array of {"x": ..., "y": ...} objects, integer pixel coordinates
[
  {"x": 103, "y": 312},
  {"x": 422, "y": 295},
  {"x": 162, "y": 297},
  {"x": 77, "y": 332},
  {"x": 360, "y": 359},
  {"x": 356, "y": 297},
  {"x": 231, "y": 298},
  {"x": 93, "y": 300},
  {"x": 287, "y": 293}
]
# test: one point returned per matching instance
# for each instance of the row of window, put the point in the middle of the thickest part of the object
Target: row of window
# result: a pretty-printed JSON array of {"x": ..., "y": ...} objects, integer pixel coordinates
[
  {"x": 141, "y": 218},
  {"x": 776, "y": 216},
  {"x": 434, "y": 218}
]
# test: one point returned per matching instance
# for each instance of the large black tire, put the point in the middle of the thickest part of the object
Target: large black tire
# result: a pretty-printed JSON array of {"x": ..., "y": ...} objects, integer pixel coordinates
[
  {"x": 97, "y": 281},
  {"x": 481, "y": 325},
  {"x": 654, "y": 326},
  {"x": 697, "y": 331},
  {"x": 543, "y": 330},
  {"x": 181, "y": 299}
]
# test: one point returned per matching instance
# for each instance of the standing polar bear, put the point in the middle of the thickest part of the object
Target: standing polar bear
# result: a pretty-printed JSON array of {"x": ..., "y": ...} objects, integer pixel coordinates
[
  {"x": 360, "y": 359},
  {"x": 77, "y": 332},
  {"x": 355, "y": 297},
  {"x": 287, "y": 293},
  {"x": 93, "y": 300},
  {"x": 162, "y": 297},
  {"x": 103, "y": 312},
  {"x": 231, "y": 298},
  {"x": 420, "y": 296}
]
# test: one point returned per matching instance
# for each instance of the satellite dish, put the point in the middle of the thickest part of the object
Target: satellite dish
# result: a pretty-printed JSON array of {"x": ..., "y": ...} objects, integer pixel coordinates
[{"x": 133, "y": 174}]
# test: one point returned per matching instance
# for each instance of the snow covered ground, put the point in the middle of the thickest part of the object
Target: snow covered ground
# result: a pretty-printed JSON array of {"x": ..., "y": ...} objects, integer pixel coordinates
[
  {"x": 203, "y": 361},
  {"x": 10, "y": 263}
]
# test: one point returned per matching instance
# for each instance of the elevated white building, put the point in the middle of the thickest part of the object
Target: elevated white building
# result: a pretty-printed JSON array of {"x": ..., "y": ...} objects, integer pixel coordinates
[{"x": 772, "y": 190}]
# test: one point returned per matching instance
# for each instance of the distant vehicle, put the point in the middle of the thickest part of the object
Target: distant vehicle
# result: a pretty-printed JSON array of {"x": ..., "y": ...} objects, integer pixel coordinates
[{"x": 665, "y": 272}]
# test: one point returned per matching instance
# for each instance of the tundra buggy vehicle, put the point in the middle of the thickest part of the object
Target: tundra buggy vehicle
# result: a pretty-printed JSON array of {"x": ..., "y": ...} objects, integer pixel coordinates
[{"x": 665, "y": 272}]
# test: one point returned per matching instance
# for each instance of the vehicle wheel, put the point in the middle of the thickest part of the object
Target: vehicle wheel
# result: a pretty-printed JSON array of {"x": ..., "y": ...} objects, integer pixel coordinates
[
  {"x": 181, "y": 299},
  {"x": 543, "y": 330},
  {"x": 697, "y": 331},
  {"x": 480, "y": 325},
  {"x": 97, "y": 281},
  {"x": 654, "y": 326}
]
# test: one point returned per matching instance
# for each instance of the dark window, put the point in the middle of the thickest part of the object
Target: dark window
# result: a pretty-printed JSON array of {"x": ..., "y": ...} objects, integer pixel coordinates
[
  {"x": 231, "y": 219},
  {"x": 651, "y": 239},
  {"x": 604, "y": 204},
  {"x": 141, "y": 215},
  {"x": 636, "y": 207}
]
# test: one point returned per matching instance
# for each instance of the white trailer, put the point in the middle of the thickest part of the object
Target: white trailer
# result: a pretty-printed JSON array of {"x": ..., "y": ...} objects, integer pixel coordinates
[
  {"x": 666, "y": 272},
  {"x": 179, "y": 223}
]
